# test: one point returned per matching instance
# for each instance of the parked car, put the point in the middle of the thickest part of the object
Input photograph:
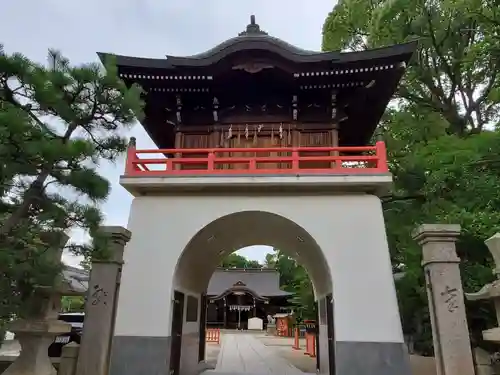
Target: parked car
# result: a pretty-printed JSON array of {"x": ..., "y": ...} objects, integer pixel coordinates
[{"x": 76, "y": 321}]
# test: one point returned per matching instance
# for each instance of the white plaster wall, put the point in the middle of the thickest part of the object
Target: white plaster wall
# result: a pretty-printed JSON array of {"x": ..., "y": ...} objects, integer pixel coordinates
[{"x": 349, "y": 228}]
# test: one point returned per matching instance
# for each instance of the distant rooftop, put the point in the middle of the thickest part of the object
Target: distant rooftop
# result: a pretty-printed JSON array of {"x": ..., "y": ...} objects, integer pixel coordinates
[{"x": 263, "y": 281}]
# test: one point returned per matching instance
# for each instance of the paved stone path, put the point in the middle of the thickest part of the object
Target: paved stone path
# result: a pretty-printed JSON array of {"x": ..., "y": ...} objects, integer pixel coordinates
[{"x": 244, "y": 354}]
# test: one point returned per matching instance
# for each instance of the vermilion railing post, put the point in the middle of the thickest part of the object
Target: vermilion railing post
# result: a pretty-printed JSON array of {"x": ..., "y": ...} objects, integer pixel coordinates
[
  {"x": 170, "y": 164},
  {"x": 312, "y": 353},
  {"x": 295, "y": 160},
  {"x": 308, "y": 344},
  {"x": 381, "y": 153},
  {"x": 252, "y": 166},
  {"x": 296, "y": 342},
  {"x": 211, "y": 160},
  {"x": 130, "y": 166}
]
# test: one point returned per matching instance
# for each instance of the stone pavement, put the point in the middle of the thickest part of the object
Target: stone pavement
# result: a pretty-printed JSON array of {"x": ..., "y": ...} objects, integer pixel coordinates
[{"x": 244, "y": 354}]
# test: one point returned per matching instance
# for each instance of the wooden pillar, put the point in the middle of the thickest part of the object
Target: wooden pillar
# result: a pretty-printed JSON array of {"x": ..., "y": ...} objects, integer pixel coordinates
[
  {"x": 225, "y": 313},
  {"x": 178, "y": 144},
  {"x": 335, "y": 135},
  {"x": 335, "y": 143},
  {"x": 446, "y": 298},
  {"x": 100, "y": 308}
]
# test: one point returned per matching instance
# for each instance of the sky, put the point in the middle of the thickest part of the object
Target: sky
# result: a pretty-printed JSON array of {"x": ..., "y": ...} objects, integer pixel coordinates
[{"x": 149, "y": 28}]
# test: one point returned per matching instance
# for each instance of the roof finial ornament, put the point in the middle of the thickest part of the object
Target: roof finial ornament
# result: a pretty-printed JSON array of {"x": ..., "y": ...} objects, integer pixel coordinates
[{"x": 252, "y": 28}]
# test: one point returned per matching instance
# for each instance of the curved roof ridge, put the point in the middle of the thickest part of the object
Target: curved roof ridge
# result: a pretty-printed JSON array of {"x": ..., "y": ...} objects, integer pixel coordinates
[
  {"x": 240, "y": 269},
  {"x": 266, "y": 39},
  {"x": 253, "y": 38}
]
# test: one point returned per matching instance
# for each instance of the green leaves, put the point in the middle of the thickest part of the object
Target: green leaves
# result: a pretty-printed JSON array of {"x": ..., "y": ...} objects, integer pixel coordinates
[
  {"x": 237, "y": 261},
  {"x": 57, "y": 123},
  {"x": 442, "y": 149}
]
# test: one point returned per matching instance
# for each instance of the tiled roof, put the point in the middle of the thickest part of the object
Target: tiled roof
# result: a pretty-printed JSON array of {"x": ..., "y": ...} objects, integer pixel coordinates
[
  {"x": 264, "y": 282},
  {"x": 76, "y": 279}
]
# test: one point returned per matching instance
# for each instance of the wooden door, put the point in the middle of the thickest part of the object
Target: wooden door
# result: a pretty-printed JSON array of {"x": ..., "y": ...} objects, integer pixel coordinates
[
  {"x": 240, "y": 141},
  {"x": 268, "y": 138},
  {"x": 267, "y": 141},
  {"x": 176, "y": 332},
  {"x": 196, "y": 141},
  {"x": 331, "y": 333},
  {"x": 252, "y": 142},
  {"x": 315, "y": 139},
  {"x": 203, "y": 327}
]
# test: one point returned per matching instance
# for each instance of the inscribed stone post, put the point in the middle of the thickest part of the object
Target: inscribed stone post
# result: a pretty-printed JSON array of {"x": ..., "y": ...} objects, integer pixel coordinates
[
  {"x": 100, "y": 308},
  {"x": 446, "y": 300}
]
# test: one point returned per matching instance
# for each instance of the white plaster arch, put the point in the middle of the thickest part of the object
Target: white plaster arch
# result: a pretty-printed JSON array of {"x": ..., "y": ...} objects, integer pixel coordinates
[{"x": 231, "y": 232}]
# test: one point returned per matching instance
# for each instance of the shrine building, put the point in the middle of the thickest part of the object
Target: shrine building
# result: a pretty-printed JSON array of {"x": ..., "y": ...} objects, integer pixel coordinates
[
  {"x": 259, "y": 143},
  {"x": 236, "y": 294}
]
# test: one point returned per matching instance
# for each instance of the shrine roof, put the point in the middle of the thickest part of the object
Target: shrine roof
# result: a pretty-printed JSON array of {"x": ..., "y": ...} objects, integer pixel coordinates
[
  {"x": 76, "y": 279},
  {"x": 263, "y": 281},
  {"x": 255, "y": 39}
]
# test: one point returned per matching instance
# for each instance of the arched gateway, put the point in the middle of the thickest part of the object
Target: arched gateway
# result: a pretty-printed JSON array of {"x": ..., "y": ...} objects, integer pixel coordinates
[{"x": 262, "y": 143}]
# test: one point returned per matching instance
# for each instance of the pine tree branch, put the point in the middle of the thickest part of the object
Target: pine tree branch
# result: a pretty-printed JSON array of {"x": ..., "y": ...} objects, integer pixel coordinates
[
  {"x": 34, "y": 191},
  {"x": 393, "y": 199}
]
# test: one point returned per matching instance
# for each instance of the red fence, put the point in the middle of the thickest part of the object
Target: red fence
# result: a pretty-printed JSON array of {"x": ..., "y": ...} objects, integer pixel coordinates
[
  {"x": 257, "y": 161},
  {"x": 310, "y": 348},
  {"x": 212, "y": 335}
]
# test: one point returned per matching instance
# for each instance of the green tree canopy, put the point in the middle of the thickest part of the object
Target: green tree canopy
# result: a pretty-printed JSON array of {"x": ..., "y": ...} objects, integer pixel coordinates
[
  {"x": 58, "y": 122},
  {"x": 238, "y": 261},
  {"x": 294, "y": 279},
  {"x": 440, "y": 133}
]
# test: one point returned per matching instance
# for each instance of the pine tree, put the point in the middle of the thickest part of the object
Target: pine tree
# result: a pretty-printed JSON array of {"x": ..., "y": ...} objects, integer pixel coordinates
[{"x": 57, "y": 123}]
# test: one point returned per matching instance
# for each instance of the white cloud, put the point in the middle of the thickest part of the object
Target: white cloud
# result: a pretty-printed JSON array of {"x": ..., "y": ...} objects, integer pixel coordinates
[{"x": 149, "y": 28}]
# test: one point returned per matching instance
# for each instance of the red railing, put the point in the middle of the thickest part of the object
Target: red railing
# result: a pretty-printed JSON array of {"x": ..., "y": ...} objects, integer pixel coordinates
[
  {"x": 257, "y": 161},
  {"x": 212, "y": 335}
]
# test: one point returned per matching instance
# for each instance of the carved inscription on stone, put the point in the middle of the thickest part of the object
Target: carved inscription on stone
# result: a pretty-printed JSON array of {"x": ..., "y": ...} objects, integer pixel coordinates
[
  {"x": 99, "y": 295},
  {"x": 450, "y": 296}
]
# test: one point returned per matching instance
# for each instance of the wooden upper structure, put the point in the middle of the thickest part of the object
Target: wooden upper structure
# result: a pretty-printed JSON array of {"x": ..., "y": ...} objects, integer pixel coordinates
[{"x": 255, "y": 90}]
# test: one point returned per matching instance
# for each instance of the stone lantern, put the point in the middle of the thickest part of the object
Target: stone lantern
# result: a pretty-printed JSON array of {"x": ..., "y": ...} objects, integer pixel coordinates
[
  {"x": 38, "y": 330},
  {"x": 491, "y": 291}
]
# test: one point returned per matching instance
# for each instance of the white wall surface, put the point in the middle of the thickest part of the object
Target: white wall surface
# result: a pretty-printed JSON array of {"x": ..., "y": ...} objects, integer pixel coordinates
[{"x": 349, "y": 229}]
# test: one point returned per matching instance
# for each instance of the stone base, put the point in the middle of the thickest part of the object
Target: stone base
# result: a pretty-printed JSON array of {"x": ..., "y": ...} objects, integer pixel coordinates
[
  {"x": 35, "y": 338},
  {"x": 151, "y": 355},
  {"x": 131, "y": 355},
  {"x": 271, "y": 329},
  {"x": 371, "y": 358}
]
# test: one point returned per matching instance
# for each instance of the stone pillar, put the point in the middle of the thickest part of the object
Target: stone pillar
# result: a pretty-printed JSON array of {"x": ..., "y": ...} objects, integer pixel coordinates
[
  {"x": 100, "y": 308},
  {"x": 446, "y": 299}
]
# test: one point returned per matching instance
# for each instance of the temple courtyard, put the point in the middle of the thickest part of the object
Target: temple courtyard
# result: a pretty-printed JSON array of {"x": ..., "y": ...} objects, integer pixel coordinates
[
  {"x": 258, "y": 353},
  {"x": 250, "y": 353}
]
